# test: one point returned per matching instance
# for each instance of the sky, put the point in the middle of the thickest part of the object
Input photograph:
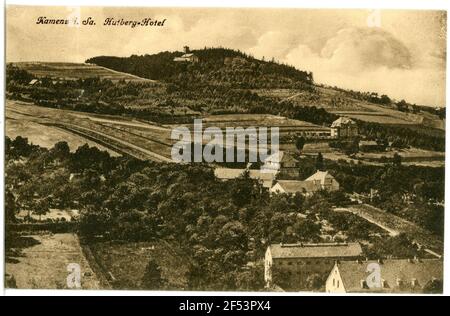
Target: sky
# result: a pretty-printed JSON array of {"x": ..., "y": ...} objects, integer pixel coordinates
[{"x": 398, "y": 53}]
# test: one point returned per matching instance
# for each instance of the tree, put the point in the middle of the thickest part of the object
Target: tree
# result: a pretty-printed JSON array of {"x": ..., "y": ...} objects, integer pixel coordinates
[
  {"x": 21, "y": 147},
  {"x": 10, "y": 206},
  {"x": 61, "y": 150},
  {"x": 251, "y": 279},
  {"x": 398, "y": 246},
  {"x": 300, "y": 143},
  {"x": 384, "y": 99},
  {"x": 41, "y": 207},
  {"x": 397, "y": 160},
  {"x": 402, "y": 105},
  {"x": 14, "y": 73},
  {"x": 433, "y": 287},
  {"x": 314, "y": 282},
  {"x": 152, "y": 278},
  {"x": 307, "y": 230},
  {"x": 94, "y": 221},
  {"x": 319, "y": 162}
]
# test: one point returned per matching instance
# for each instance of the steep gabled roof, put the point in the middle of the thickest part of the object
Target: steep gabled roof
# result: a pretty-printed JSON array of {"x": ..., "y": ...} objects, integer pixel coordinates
[
  {"x": 293, "y": 186},
  {"x": 275, "y": 157},
  {"x": 392, "y": 270},
  {"x": 342, "y": 121},
  {"x": 321, "y": 176},
  {"x": 266, "y": 177},
  {"x": 320, "y": 250}
]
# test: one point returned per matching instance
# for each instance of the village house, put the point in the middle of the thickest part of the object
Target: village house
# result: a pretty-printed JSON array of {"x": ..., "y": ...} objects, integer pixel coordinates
[
  {"x": 294, "y": 186},
  {"x": 344, "y": 127},
  {"x": 265, "y": 177},
  {"x": 325, "y": 180},
  {"x": 395, "y": 276},
  {"x": 187, "y": 56},
  {"x": 276, "y": 165},
  {"x": 34, "y": 82},
  {"x": 321, "y": 180},
  {"x": 284, "y": 163},
  {"x": 290, "y": 265}
]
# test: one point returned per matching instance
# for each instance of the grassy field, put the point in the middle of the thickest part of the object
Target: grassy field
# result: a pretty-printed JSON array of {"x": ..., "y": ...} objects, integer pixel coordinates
[
  {"x": 73, "y": 71},
  {"x": 41, "y": 262},
  {"x": 116, "y": 134},
  {"x": 340, "y": 103},
  {"x": 124, "y": 263},
  {"x": 396, "y": 225},
  {"x": 145, "y": 140},
  {"x": 286, "y": 126},
  {"x": 44, "y": 135},
  {"x": 408, "y": 155}
]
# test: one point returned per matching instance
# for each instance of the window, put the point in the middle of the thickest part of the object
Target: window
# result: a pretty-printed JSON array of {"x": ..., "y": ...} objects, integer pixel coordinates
[
  {"x": 334, "y": 282},
  {"x": 338, "y": 283}
]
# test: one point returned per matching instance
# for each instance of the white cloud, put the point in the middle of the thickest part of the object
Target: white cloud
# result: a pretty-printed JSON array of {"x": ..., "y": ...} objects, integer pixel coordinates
[{"x": 374, "y": 60}]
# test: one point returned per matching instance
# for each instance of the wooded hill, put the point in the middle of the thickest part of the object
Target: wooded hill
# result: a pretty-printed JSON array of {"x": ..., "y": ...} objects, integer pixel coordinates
[{"x": 217, "y": 66}]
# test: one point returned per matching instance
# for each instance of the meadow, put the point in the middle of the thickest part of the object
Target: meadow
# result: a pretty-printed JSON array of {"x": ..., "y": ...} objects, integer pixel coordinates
[{"x": 73, "y": 71}]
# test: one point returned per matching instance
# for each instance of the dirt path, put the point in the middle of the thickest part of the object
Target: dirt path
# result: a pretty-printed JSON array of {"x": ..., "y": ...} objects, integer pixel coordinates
[
  {"x": 151, "y": 154},
  {"x": 124, "y": 73},
  {"x": 396, "y": 225}
]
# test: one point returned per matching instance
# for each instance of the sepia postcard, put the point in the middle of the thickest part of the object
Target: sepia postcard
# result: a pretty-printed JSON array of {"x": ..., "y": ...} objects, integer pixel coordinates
[{"x": 225, "y": 149}]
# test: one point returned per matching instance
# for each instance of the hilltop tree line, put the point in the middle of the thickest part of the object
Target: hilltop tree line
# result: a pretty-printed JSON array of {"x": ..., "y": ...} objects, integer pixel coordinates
[{"x": 242, "y": 71}]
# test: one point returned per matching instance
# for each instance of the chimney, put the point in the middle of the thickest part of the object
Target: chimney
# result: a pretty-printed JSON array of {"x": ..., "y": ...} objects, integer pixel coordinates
[
  {"x": 399, "y": 282},
  {"x": 413, "y": 282},
  {"x": 383, "y": 283},
  {"x": 380, "y": 261},
  {"x": 186, "y": 49},
  {"x": 363, "y": 284}
]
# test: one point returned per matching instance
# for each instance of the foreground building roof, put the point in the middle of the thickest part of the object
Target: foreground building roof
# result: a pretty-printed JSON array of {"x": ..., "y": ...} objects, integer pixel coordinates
[{"x": 397, "y": 275}]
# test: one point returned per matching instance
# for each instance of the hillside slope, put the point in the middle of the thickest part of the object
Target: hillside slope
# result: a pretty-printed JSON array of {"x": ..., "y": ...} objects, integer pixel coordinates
[
  {"x": 223, "y": 81},
  {"x": 229, "y": 69},
  {"x": 74, "y": 71},
  {"x": 216, "y": 66}
]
